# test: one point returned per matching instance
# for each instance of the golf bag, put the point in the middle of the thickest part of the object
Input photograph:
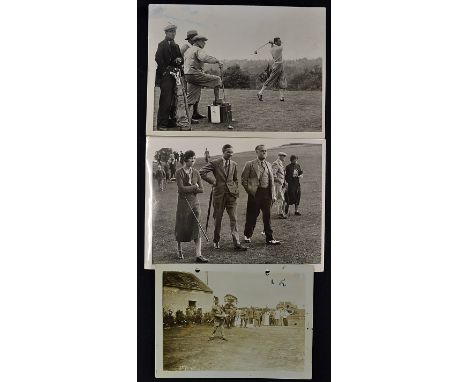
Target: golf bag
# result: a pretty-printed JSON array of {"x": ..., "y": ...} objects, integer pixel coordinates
[{"x": 220, "y": 113}]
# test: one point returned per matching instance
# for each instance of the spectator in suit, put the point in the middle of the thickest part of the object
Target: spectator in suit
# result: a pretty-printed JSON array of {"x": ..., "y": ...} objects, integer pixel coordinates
[
  {"x": 221, "y": 173},
  {"x": 258, "y": 182}
]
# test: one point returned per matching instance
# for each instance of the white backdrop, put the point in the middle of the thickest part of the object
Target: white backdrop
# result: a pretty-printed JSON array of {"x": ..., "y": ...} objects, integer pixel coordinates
[{"x": 399, "y": 205}]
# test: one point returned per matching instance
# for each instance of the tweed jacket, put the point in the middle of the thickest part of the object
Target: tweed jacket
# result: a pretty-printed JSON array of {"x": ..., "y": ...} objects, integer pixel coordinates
[
  {"x": 250, "y": 177},
  {"x": 213, "y": 173}
]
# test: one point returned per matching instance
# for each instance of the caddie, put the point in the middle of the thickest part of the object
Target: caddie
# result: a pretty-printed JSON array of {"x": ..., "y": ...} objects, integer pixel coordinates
[{"x": 168, "y": 56}]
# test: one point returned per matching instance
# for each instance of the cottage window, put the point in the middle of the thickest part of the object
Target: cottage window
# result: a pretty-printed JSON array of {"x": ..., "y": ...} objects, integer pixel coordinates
[{"x": 192, "y": 303}]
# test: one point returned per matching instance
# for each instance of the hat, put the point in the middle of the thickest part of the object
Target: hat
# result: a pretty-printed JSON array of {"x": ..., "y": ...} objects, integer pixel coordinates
[
  {"x": 199, "y": 37},
  {"x": 191, "y": 33},
  {"x": 282, "y": 154},
  {"x": 169, "y": 27}
]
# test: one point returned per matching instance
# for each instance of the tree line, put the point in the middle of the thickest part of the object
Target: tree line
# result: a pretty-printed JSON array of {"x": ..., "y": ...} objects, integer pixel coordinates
[{"x": 303, "y": 74}]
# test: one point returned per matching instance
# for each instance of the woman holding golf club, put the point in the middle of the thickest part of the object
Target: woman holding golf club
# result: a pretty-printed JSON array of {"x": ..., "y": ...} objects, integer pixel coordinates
[{"x": 187, "y": 227}]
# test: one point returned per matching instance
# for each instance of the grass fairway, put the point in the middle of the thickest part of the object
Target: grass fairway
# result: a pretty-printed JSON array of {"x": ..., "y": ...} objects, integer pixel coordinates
[
  {"x": 265, "y": 348},
  {"x": 300, "y": 112},
  {"x": 300, "y": 235}
]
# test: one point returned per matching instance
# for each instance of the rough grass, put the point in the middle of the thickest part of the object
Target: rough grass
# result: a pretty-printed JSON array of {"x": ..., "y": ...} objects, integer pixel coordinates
[
  {"x": 300, "y": 112},
  {"x": 300, "y": 235},
  {"x": 247, "y": 349}
]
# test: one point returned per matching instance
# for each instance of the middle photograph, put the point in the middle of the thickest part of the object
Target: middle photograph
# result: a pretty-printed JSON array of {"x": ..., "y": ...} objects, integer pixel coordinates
[{"x": 234, "y": 200}]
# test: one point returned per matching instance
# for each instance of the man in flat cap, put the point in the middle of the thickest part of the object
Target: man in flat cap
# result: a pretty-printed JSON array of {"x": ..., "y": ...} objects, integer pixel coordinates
[
  {"x": 280, "y": 182},
  {"x": 190, "y": 35},
  {"x": 195, "y": 58},
  {"x": 168, "y": 56},
  {"x": 257, "y": 180},
  {"x": 277, "y": 79}
]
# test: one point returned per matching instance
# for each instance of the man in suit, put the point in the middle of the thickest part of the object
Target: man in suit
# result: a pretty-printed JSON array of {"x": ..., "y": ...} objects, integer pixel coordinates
[
  {"x": 221, "y": 173},
  {"x": 168, "y": 56},
  {"x": 258, "y": 181}
]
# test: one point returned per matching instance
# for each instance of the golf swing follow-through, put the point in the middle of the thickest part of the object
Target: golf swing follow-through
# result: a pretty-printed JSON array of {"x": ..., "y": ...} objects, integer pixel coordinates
[{"x": 180, "y": 75}]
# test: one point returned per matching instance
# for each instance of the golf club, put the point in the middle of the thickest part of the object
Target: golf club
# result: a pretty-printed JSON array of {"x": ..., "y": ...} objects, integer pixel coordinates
[
  {"x": 198, "y": 221},
  {"x": 256, "y": 51},
  {"x": 224, "y": 94}
]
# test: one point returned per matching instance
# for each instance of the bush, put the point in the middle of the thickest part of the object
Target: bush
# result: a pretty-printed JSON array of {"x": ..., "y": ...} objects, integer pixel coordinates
[
  {"x": 168, "y": 318},
  {"x": 234, "y": 77},
  {"x": 307, "y": 80}
]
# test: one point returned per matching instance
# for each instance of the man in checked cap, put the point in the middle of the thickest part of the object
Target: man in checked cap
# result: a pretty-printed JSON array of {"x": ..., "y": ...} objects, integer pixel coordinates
[
  {"x": 190, "y": 35},
  {"x": 195, "y": 58},
  {"x": 168, "y": 56}
]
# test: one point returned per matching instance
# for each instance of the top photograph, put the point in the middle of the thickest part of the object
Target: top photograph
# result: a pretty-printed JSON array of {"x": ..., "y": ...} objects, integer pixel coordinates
[{"x": 239, "y": 71}]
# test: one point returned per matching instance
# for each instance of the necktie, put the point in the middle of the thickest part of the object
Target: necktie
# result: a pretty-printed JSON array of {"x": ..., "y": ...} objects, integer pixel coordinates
[{"x": 226, "y": 168}]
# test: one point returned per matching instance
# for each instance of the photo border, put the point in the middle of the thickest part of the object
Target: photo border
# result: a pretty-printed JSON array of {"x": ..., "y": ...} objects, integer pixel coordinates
[
  {"x": 306, "y": 269},
  {"x": 150, "y": 80},
  {"x": 149, "y": 192}
]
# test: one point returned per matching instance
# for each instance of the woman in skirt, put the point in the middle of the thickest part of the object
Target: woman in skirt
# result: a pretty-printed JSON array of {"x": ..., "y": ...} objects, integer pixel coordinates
[
  {"x": 189, "y": 184},
  {"x": 293, "y": 173}
]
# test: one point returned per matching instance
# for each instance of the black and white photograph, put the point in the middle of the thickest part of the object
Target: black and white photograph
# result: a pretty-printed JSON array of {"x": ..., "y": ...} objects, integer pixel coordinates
[
  {"x": 232, "y": 70},
  {"x": 212, "y": 321},
  {"x": 235, "y": 201}
]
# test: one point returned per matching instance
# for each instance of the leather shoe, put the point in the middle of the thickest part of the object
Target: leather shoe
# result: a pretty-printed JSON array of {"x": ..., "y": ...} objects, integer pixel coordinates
[
  {"x": 172, "y": 123},
  {"x": 216, "y": 245},
  {"x": 194, "y": 121},
  {"x": 198, "y": 116},
  {"x": 273, "y": 242},
  {"x": 297, "y": 213},
  {"x": 201, "y": 259}
]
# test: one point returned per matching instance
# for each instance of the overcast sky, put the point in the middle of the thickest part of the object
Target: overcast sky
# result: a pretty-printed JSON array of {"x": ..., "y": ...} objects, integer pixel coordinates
[
  {"x": 256, "y": 289},
  {"x": 214, "y": 145},
  {"x": 234, "y": 32}
]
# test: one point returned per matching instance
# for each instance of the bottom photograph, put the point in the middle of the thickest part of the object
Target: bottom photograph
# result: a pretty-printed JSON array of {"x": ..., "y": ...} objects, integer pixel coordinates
[{"x": 226, "y": 321}]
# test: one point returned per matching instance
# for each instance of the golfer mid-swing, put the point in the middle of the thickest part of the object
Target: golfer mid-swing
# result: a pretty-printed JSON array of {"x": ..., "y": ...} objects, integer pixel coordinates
[{"x": 277, "y": 79}]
